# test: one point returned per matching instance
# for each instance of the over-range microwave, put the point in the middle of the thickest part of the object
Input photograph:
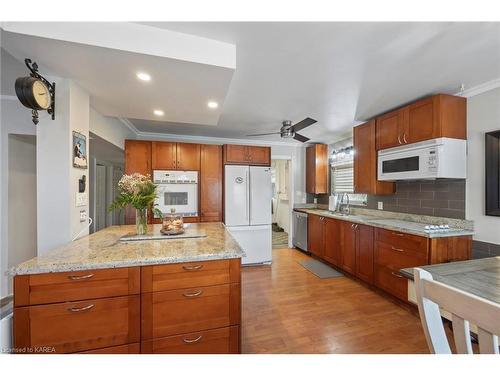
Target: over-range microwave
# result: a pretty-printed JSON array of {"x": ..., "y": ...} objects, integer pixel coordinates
[{"x": 435, "y": 158}]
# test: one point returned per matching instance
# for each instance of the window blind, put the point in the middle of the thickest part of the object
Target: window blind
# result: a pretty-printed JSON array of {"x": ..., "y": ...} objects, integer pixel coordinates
[{"x": 343, "y": 177}]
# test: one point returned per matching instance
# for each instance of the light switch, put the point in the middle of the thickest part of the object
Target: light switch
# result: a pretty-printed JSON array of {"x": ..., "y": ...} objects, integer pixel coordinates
[{"x": 81, "y": 199}]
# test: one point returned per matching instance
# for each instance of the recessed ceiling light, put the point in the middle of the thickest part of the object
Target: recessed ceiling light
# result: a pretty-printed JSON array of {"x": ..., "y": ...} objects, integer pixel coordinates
[
  {"x": 212, "y": 104},
  {"x": 144, "y": 76},
  {"x": 158, "y": 112}
]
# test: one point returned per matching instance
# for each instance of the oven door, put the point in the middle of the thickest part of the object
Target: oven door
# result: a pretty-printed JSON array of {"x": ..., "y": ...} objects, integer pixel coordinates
[
  {"x": 410, "y": 164},
  {"x": 181, "y": 197}
]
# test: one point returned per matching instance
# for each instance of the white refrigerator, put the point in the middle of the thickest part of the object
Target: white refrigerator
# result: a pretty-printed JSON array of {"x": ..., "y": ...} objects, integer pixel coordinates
[{"x": 247, "y": 207}]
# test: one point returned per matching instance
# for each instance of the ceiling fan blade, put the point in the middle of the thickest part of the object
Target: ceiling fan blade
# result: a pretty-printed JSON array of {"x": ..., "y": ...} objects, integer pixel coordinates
[
  {"x": 301, "y": 138},
  {"x": 303, "y": 124},
  {"x": 256, "y": 135}
]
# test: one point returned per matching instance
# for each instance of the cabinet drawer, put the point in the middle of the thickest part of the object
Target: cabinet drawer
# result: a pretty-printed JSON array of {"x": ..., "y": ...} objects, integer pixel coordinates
[
  {"x": 188, "y": 275},
  {"x": 119, "y": 349},
  {"x": 391, "y": 281},
  {"x": 402, "y": 240},
  {"x": 215, "y": 341},
  {"x": 189, "y": 310},
  {"x": 75, "y": 286},
  {"x": 78, "y": 326},
  {"x": 397, "y": 258}
]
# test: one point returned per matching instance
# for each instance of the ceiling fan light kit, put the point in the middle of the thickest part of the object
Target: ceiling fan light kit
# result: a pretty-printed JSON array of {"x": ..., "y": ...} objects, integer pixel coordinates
[
  {"x": 288, "y": 130},
  {"x": 35, "y": 92}
]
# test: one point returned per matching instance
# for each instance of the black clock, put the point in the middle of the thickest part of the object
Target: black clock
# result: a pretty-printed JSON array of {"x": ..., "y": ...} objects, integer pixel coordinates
[{"x": 35, "y": 92}]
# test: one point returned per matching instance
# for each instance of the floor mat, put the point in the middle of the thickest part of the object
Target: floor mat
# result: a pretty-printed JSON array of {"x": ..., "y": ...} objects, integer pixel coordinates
[
  {"x": 280, "y": 239},
  {"x": 320, "y": 269}
]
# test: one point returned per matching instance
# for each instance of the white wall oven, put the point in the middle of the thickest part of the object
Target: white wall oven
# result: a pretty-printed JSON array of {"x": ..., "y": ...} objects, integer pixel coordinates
[{"x": 177, "y": 190}]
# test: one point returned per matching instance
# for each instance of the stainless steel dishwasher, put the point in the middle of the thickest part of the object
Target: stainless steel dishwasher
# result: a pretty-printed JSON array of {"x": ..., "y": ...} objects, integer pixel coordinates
[{"x": 300, "y": 230}]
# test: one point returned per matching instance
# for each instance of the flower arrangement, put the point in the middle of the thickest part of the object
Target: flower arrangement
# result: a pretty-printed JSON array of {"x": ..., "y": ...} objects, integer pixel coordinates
[{"x": 138, "y": 191}]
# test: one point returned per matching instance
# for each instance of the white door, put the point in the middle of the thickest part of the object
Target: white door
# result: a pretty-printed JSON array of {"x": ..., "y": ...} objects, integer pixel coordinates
[
  {"x": 261, "y": 194},
  {"x": 236, "y": 195}
]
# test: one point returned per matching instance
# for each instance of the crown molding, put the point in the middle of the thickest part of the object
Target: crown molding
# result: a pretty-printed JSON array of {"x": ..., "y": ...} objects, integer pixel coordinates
[
  {"x": 479, "y": 89},
  {"x": 129, "y": 125}
]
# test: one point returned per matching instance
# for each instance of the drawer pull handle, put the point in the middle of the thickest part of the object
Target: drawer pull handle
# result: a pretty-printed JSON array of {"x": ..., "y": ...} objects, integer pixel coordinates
[
  {"x": 193, "y": 268},
  {"x": 89, "y": 276},
  {"x": 398, "y": 234},
  {"x": 194, "y": 294},
  {"x": 396, "y": 274},
  {"x": 397, "y": 249},
  {"x": 78, "y": 309},
  {"x": 191, "y": 341}
]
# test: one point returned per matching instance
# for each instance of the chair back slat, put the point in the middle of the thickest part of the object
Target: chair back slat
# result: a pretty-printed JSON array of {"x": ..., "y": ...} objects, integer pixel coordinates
[
  {"x": 461, "y": 333},
  {"x": 488, "y": 343},
  {"x": 464, "y": 307}
]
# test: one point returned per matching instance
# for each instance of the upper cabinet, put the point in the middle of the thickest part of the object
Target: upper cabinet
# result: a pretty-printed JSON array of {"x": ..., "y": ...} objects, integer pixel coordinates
[
  {"x": 247, "y": 155},
  {"x": 211, "y": 183},
  {"x": 365, "y": 162},
  {"x": 317, "y": 169},
  {"x": 434, "y": 117},
  {"x": 172, "y": 156},
  {"x": 137, "y": 157}
]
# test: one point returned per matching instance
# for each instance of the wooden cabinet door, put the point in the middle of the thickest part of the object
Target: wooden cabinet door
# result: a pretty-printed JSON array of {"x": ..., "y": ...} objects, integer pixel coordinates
[
  {"x": 317, "y": 169},
  {"x": 188, "y": 156},
  {"x": 211, "y": 183},
  {"x": 137, "y": 160},
  {"x": 365, "y": 162},
  {"x": 315, "y": 240},
  {"x": 333, "y": 241},
  {"x": 364, "y": 253},
  {"x": 236, "y": 154},
  {"x": 137, "y": 157},
  {"x": 78, "y": 326},
  {"x": 389, "y": 129},
  {"x": 164, "y": 155},
  {"x": 259, "y": 155},
  {"x": 348, "y": 248},
  {"x": 422, "y": 123}
]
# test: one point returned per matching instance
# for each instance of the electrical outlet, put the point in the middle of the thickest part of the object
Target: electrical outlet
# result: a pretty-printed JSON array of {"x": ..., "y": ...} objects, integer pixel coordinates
[
  {"x": 315, "y": 200},
  {"x": 83, "y": 216},
  {"x": 380, "y": 205}
]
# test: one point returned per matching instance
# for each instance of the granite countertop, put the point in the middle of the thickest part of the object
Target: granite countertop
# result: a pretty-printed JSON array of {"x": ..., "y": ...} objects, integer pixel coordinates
[
  {"x": 104, "y": 249},
  {"x": 480, "y": 277},
  {"x": 405, "y": 226}
]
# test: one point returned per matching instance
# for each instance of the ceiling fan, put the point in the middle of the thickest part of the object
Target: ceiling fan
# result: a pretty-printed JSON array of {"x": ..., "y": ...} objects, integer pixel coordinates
[{"x": 290, "y": 131}]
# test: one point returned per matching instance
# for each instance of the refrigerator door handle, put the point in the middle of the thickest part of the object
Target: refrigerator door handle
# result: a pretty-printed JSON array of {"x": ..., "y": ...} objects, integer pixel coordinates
[{"x": 247, "y": 214}]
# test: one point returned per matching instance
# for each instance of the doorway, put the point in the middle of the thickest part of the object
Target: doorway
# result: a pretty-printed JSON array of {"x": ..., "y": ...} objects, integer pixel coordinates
[{"x": 280, "y": 172}]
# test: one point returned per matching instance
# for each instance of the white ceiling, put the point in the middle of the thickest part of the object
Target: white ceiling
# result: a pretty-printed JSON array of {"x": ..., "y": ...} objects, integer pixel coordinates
[
  {"x": 181, "y": 88},
  {"x": 337, "y": 73}
]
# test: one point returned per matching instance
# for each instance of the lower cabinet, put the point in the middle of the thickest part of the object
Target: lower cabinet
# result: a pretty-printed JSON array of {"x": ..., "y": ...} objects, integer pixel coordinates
[
  {"x": 376, "y": 255},
  {"x": 215, "y": 341},
  {"x": 192, "y": 307}
]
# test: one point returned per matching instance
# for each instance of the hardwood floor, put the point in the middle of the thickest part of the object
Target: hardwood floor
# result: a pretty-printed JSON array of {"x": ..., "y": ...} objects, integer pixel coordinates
[{"x": 287, "y": 309}]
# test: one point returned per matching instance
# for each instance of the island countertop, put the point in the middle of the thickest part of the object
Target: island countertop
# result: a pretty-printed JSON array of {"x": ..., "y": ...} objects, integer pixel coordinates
[{"x": 104, "y": 249}]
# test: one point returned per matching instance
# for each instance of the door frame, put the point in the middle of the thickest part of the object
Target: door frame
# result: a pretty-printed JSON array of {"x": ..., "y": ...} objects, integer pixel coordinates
[{"x": 291, "y": 195}]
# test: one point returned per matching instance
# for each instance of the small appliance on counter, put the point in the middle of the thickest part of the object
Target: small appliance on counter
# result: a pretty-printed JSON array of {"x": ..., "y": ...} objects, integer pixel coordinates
[
  {"x": 177, "y": 190},
  {"x": 435, "y": 158}
]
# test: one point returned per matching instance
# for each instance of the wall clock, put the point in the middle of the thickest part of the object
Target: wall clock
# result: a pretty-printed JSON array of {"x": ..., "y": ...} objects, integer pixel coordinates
[{"x": 35, "y": 92}]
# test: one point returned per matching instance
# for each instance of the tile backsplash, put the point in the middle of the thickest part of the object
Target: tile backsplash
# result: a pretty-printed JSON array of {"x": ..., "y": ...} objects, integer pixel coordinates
[{"x": 445, "y": 198}]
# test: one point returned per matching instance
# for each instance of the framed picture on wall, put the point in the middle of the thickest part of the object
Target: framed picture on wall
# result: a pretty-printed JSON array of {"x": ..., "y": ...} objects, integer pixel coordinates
[
  {"x": 492, "y": 164},
  {"x": 79, "y": 150}
]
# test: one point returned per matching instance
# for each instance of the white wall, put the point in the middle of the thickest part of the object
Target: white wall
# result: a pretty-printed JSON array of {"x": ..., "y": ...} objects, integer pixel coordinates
[
  {"x": 109, "y": 128},
  {"x": 57, "y": 179},
  {"x": 483, "y": 115}
]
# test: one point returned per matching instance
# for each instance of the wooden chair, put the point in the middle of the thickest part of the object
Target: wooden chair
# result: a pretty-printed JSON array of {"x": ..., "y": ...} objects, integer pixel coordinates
[{"x": 464, "y": 308}]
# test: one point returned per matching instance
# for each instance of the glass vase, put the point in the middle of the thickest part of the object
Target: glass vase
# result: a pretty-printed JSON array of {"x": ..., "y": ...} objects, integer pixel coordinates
[{"x": 141, "y": 221}]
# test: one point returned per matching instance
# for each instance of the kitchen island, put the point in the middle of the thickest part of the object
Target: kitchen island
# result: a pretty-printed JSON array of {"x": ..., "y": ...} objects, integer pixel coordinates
[{"x": 101, "y": 294}]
